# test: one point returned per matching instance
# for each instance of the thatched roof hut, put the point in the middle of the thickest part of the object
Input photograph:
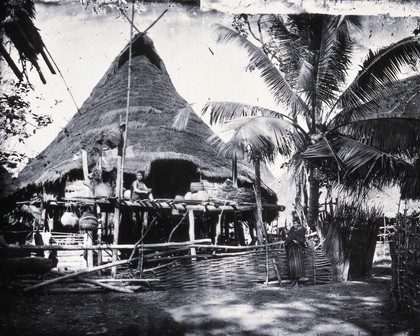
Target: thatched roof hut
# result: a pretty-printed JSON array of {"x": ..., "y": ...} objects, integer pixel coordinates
[{"x": 171, "y": 159}]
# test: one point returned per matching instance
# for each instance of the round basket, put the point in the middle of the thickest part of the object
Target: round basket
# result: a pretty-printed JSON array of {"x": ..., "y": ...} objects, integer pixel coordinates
[
  {"x": 103, "y": 190},
  {"x": 196, "y": 186},
  {"x": 88, "y": 221}
]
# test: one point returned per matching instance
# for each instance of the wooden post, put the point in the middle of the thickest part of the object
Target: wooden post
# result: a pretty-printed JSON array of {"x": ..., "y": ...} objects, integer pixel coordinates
[
  {"x": 192, "y": 231},
  {"x": 85, "y": 166},
  {"x": 235, "y": 171},
  {"x": 100, "y": 229},
  {"x": 218, "y": 232},
  {"x": 116, "y": 229},
  {"x": 89, "y": 253}
]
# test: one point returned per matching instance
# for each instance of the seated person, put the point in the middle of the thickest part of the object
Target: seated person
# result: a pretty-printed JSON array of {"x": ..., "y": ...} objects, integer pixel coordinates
[{"x": 139, "y": 190}]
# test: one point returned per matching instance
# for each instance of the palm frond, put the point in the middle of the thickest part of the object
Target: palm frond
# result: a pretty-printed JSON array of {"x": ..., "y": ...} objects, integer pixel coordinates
[
  {"x": 288, "y": 47},
  {"x": 399, "y": 94},
  {"x": 363, "y": 165},
  {"x": 276, "y": 83},
  {"x": 230, "y": 149},
  {"x": 265, "y": 135},
  {"x": 358, "y": 156},
  {"x": 380, "y": 68},
  {"x": 221, "y": 112},
  {"x": 182, "y": 117},
  {"x": 393, "y": 135},
  {"x": 334, "y": 59}
]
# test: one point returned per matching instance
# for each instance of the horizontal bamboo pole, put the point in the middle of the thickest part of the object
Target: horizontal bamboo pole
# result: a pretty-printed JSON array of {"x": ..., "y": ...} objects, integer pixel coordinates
[
  {"x": 78, "y": 274},
  {"x": 97, "y": 283},
  {"x": 128, "y": 280},
  {"x": 168, "y": 265},
  {"x": 74, "y": 290},
  {"x": 244, "y": 247},
  {"x": 212, "y": 255},
  {"x": 100, "y": 247},
  {"x": 187, "y": 207},
  {"x": 198, "y": 256}
]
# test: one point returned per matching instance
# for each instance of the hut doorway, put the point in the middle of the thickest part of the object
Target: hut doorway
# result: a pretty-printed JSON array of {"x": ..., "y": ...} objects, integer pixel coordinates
[{"x": 169, "y": 178}]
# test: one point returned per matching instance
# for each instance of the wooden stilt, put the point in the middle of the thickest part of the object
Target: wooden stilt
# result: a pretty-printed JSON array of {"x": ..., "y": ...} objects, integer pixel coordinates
[
  {"x": 89, "y": 253},
  {"x": 218, "y": 232},
  {"x": 100, "y": 230},
  {"x": 192, "y": 230},
  {"x": 116, "y": 229}
]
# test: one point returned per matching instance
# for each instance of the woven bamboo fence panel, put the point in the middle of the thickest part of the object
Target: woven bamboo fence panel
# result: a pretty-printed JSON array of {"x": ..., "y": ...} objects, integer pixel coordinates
[
  {"x": 241, "y": 271},
  {"x": 405, "y": 256}
]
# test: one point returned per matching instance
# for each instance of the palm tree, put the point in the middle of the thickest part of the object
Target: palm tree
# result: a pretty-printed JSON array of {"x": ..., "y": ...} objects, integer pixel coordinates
[{"x": 304, "y": 61}]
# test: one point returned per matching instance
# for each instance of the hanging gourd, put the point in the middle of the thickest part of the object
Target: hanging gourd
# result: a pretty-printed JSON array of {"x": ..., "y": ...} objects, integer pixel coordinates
[
  {"x": 88, "y": 221},
  {"x": 69, "y": 219}
]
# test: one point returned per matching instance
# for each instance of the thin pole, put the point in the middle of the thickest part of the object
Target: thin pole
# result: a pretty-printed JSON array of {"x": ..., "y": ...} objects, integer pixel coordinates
[
  {"x": 120, "y": 163},
  {"x": 128, "y": 94}
]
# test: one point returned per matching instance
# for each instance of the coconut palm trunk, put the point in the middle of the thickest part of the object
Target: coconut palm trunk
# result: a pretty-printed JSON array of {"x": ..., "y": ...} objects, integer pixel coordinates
[
  {"x": 313, "y": 203},
  {"x": 258, "y": 200}
]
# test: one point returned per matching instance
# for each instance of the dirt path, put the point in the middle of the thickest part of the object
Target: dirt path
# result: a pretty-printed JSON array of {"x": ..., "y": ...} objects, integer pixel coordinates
[{"x": 351, "y": 308}]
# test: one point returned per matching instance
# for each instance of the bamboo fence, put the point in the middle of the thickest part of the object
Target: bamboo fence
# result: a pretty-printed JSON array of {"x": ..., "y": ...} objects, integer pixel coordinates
[
  {"x": 241, "y": 269},
  {"x": 172, "y": 265},
  {"x": 405, "y": 256}
]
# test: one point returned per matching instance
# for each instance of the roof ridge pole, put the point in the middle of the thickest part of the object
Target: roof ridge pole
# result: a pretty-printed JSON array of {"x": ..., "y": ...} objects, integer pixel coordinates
[{"x": 120, "y": 163}]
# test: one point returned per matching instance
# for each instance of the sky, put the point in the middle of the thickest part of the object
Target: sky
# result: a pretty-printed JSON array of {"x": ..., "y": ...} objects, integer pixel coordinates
[{"x": 83, "y": 44}]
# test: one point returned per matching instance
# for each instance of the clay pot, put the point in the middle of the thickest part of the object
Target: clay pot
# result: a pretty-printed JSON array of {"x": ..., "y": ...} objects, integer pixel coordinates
[{"x": 127, "y": 194}]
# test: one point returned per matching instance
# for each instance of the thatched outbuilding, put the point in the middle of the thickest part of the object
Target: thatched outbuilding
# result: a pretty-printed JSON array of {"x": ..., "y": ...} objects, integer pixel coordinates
[{"x": 170, "y": 159}]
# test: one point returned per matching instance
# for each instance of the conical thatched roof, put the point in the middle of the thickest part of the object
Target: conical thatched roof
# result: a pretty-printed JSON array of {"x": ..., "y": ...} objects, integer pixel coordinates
[{"x": 153, "y": 105}]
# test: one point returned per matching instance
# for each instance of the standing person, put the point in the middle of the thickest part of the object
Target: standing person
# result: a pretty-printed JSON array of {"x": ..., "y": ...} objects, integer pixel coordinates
[
  {"x": 295, "y": 245},
  {"x": 139, "y": 190}
]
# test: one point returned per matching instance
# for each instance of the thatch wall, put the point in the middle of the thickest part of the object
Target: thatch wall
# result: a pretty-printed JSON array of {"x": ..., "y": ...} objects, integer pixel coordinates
[{"x": 153, "y": 105}]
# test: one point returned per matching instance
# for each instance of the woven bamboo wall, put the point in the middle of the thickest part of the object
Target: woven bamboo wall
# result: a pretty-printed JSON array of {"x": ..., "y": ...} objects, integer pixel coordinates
[
  {"x": 405, "y": 255},
  {"x": 241, "y": 271}
]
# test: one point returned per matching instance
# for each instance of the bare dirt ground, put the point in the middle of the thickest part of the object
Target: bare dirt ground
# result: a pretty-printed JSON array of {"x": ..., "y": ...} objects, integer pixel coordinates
[{"x": 349, "y": 308}]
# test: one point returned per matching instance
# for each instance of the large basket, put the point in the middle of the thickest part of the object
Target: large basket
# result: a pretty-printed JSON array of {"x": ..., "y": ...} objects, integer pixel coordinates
[{"x": 88, "y": 222}]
